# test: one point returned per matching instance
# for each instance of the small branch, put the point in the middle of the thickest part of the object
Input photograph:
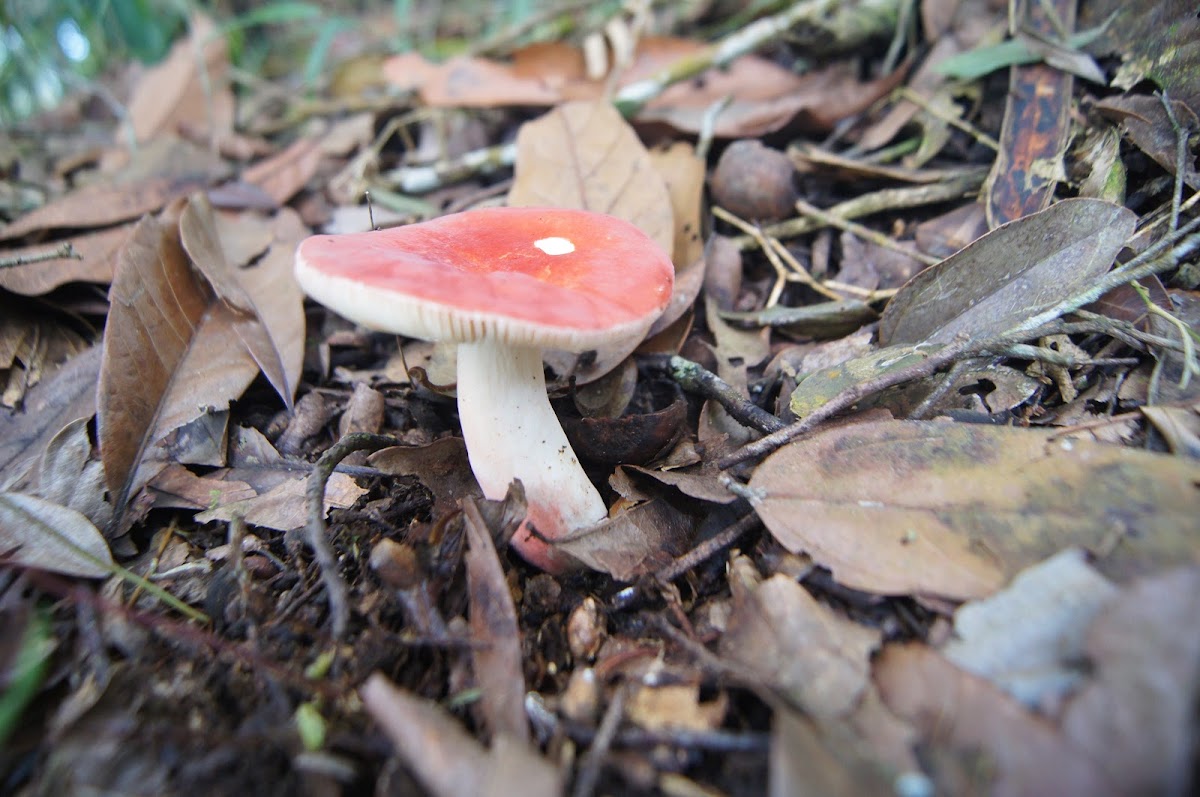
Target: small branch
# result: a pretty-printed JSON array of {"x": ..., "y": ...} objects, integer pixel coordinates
[
  {"x": 965, "y": 184},
  {"x": 339, "y": 608},
  {"x": 866, "y": 233},
  {"x": 64, "y": 250},
  {"x": 696, "y": 379}
]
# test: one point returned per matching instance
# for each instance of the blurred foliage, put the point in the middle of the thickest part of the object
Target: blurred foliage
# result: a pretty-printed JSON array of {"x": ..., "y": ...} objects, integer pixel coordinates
[{"x": 49, "y": 48}]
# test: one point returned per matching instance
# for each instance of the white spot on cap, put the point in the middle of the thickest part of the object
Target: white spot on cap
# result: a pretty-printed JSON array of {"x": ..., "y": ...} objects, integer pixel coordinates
[{"x": 555, "y": 246}]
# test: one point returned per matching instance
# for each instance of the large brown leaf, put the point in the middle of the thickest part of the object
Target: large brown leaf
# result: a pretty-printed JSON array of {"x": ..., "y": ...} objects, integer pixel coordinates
[
  {"x": 172, "y": 350},
  {"x": 1010, "y": 274},
  {"x": 953, "y": 510}
]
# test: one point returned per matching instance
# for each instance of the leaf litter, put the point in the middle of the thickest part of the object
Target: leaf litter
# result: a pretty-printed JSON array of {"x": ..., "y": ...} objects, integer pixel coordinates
[{"x": 802, "y": 586}]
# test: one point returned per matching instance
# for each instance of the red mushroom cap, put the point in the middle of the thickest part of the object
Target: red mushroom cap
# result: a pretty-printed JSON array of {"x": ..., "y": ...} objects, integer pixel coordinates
[{"x": 548, "y": 277}]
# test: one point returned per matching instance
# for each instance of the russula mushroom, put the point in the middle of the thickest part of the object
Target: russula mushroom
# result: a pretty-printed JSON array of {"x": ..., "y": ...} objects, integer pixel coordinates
[{"x": 504, "y": 284}]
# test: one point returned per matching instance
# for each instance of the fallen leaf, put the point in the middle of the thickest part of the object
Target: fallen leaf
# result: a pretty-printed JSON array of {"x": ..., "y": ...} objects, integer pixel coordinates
[
  {"x": 446, "y": 759},
  {"x": 200, "y": 239},
  {"x": 1136, "y": 719},
  {"x": 634, "y": 543},
  {"x": 497, "y": 660},
  {"x": 441, "y": 466},
  {"x": 37, "y": 533},
  {"x": 815, "y": 657},
  {"x": 1024, "y": 753},
  {"x": 97, "y": 255},
  {"x": 953, "y": 510},
  {"x": 285, "y": 173},
  {"x": 187, "y": 88},
  {"x": 164, "y": 169},
  {"x": 1010, "y": 274},
  {"x": 666, "y": 707},
  {"x": 283, "y": 506},
  {"x": 68, "y": 394},
  {"x": 68, "y": 475},
  {"x": 1028, "y": 639}
]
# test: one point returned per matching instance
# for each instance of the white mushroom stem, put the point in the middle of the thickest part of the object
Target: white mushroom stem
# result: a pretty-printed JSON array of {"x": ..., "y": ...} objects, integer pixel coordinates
[{"x": 512, "y": 432}]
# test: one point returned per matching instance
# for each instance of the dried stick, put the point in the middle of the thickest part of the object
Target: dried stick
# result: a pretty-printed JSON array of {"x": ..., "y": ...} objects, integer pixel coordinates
[{"x": 339, "y": 607}]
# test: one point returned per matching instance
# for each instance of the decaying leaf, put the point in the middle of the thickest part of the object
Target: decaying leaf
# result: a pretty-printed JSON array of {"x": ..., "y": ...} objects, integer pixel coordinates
[
  {"x": 1028, "y": 638},
  {"x": 446, "y": 759},
  {"x": 1010, "y": 274},
  {"x": 497, "y": 662},
  {"x": 633, "y": 543},
  {"x": 900, "y": 507},
  {"x": 175, "y": 348},
  {"x": 37, "y": 533},
  {"x": 97, "y": 255},
  {"x": 817, "y": 658}
]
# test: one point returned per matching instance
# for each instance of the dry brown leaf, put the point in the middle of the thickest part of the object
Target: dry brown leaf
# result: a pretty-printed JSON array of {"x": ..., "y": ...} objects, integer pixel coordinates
[
  {"x": 683, "y": 174},
  {"x": 69, "y": 393},
  {"x": 177, "y": 487},
  {"x": 804, "y": 762},
  {"x": 199, "y": 236},
  {"x": 97, "y": 255},
  {"x": 157, "y": 303},
  {"x": 187, "y": 88},
  {"x": 814, "y": 656},
  {"x": 497, "y": 660},
  {"x": 953, "y": 510},
  {"x": 955, "y": 709},
  {"x": 666, "y": 707},
  {"x": 1014, "y": 272},
  {"x": 765, "y": 96},
  {"x": 1136, "y": 719},
  {"x": 165, "y": 169},
  {"x": 446, "y": 759},
  {"x": 283, "y": 507},
  {"x": 441, "y": 466},
  {"x": 40, "y": 534},
  {"x": 68, "y": 475},
  {"x": 173, "y": 352},
  {"x": 285, "y": 173},
  {"x": 633, "y": 543},
  {"x": 584, "y": 155}
]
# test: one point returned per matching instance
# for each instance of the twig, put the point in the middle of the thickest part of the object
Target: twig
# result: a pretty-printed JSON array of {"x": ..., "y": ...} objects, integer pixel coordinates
[
  {"x": 923, "y": 103},
  {"x": 957, "y": 187},
  {"x": 593, "y": 760},
  {"x": 850, "y": 396},
  {"x": 1181, "y": 159},
  {"x": 861, "y": 231},
  {"x": 709, "y": 548},
  {"x": 847, "y": 22},
  {"x": 64, "y": 250},
  {"x": 422, "y": 179},
  {"x": 694, "y": 378},
  {"x": 776, "y": 254},
  {"x": 339, "y": 608}
]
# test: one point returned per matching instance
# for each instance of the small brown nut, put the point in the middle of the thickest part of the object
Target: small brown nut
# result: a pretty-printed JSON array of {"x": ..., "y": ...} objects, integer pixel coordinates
[
  {"x": 585, "y": 630},
  {"x": 754, "y": 182}
]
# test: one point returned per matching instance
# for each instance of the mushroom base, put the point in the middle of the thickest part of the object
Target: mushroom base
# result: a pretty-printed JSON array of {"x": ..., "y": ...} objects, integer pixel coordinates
[{"x": 511, "y": 432}]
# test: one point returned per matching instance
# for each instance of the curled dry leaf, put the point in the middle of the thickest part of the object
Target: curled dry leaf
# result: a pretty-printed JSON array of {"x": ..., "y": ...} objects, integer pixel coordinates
[
  {"x": 37, "y": 533},
  {"x": 68, "y": 394},
  {"x": 1010, "y": 274},
  {"x": 954, "y": 510},
  {"x": 637, "y": 542},
  {"x": 175, "y": 349}
]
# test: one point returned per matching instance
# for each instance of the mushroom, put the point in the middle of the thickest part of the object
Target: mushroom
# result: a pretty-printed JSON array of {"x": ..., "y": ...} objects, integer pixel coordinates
[{"x": 504, "y": 284}]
